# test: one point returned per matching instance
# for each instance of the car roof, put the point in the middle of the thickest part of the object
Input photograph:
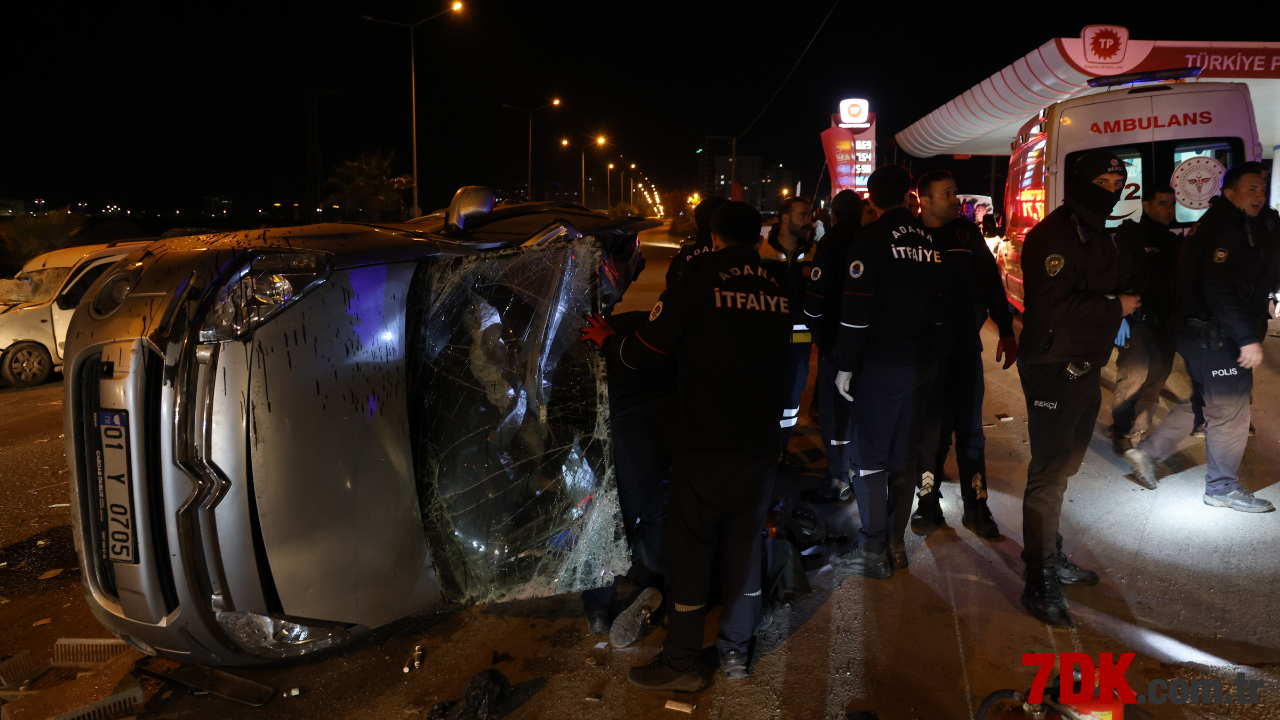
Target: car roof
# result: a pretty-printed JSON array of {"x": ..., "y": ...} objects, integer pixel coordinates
[{"x": 65, "y": 257}]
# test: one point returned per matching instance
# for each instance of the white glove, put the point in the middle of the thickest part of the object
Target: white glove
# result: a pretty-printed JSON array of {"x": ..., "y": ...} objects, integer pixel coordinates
[{"x": 843, "y": 379}]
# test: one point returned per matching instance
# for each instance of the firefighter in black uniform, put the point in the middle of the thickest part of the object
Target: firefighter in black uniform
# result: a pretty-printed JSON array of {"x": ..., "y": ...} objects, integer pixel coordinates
[
  {"x": 1149, "y": 251},
  {"x": 893, "y": 295},
  {"x": 693, "y": 251},
  {"x": 822, "y": 304},
  {"x": 974, "y": 290},
  {"x": 727, "y": 328},
  {"x": 1222, "y": 300},
  {"x": 642, "y": 418},
  {"x": 1072, "y": 288},
  {"x": 791, "y": 263}
]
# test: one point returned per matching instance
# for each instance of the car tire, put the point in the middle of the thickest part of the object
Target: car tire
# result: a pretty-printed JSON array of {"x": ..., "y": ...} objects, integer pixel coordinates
[{"x": 26, "y": 364}]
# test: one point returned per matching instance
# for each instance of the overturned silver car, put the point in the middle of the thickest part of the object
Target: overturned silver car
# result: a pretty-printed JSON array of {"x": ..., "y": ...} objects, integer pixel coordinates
[{"x": 280, "y": 439}]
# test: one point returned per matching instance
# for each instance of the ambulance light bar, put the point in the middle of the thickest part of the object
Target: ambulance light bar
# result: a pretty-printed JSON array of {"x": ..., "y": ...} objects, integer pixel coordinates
[{"x": 1153, "y": 76}]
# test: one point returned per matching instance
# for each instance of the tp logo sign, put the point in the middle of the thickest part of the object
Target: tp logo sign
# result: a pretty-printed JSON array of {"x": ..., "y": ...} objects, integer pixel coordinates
[
  {"x": 1105, "y": 44},
  {"x": 854, "y": 110}
]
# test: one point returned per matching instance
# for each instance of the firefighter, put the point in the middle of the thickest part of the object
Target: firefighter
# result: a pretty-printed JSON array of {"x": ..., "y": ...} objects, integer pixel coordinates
[
  {"x": 791, "y": 263},
  {"x": 727, "y": 328},
  {"x": 974, "y": 290},
  {"x": 1072, "y": 283},
  {"x": 642, "y": 416},
  {"x": 693, "y": 250},
  {"x": 893, "y": 295},
  {"x": 1149, "y": 251},
  {"x": 1222, "y": 291},
  {"x": 822, "y": 302}
]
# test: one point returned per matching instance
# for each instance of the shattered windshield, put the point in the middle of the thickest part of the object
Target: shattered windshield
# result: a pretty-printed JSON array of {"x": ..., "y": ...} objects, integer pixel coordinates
[
  {"x": 510, "y": 423},
  {"x": 34, "y": 286}
]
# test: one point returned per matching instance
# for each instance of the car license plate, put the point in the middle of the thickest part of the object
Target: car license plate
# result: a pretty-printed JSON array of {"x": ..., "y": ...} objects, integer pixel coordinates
[{"x": 115, "y": 489}]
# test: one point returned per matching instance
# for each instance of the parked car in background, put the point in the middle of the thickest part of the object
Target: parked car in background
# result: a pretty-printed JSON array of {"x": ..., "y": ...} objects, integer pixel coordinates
[
  {"x": 281, "y": 438},
  {"x": 36, "y": 307}
]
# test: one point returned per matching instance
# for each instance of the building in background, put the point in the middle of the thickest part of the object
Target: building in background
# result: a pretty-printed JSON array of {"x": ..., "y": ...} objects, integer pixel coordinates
[
  {"x": 748, "y": 176},
  {"x": 713, "y": 146},
  {"x": 776, "y": 178},
  {"x": 9, "y": 206},
  {"x": 216, "y": 206}
]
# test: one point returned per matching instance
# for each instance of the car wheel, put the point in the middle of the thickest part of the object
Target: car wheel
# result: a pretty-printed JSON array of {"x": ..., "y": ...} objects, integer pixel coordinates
[{"x": 26, "y": 365}]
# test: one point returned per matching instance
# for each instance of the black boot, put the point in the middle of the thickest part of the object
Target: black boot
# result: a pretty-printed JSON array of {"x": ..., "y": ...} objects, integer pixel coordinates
[
  {"x": 928, "y": 510},
  {"x": 1043, "y": 598},
  {"x": 660, "y": 676},
  {"x": 734, "y": 665},
  {"x": 863, "y": 561},
  {"x": 1071, "y": 574},
  {"x": 898, "y": 554},
  {"x": 597, "y": 620},
  {"x": 977, "y": 517}
]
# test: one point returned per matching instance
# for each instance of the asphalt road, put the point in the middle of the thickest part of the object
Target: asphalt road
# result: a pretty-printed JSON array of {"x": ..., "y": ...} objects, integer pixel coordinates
[{"x": 1192, "y": 590}]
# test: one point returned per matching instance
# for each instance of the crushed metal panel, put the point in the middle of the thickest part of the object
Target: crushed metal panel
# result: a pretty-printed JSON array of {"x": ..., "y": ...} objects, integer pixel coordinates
[{"x": 511, "y": 428}]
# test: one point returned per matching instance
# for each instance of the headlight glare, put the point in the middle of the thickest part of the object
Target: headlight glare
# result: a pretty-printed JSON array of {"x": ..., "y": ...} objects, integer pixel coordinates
[{"x": 259, "y": 290}]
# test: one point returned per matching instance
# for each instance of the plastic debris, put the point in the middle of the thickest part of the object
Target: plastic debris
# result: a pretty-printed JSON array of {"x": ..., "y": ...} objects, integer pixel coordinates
[
  {"x": 681, "y": 706},
  {"x": 1003, "y": 418},
  {"x": 293, "y": 692},
  {"x": 58, "y": 505},
  {"x": 4, "y": 601},
  {"x": 41, "y": 543},
  {"x": 415, "y": 660},
  {"x": 50, "y": 573},
  {"x": 486, "y": 696},
  {"x": 86, "y": 653},
  {"x": 44, "y": 621},
  {"x": 602, "y": 644}
]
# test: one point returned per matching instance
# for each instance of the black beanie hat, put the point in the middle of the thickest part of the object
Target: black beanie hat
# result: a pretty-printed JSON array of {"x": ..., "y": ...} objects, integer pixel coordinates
[{"x": 1084, "y": 193}]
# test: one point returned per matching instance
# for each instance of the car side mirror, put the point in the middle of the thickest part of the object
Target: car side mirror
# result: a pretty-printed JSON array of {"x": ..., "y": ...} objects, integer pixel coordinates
[
  {"x": 989, "y": 228},
  {"x": 469, "y": 202}
]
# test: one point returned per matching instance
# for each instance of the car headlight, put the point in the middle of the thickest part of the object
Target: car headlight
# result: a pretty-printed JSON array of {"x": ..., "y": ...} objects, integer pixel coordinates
[
  {"x": 259, "y": 290},
  {"x": 275, "y": 638},
  {"x": 112, "y": 294}
]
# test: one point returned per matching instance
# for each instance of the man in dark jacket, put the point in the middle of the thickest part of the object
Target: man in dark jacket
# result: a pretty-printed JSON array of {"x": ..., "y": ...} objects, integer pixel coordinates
[
  {"x": 974, "y": 290},
  {"x": 727, "y": 329},
  {"x": 790, "y": 262},
  {"x": 1222, "y": 298},
  {"x": 693, "y": 251},
  {"x": 1072, "y": 285},
  {"x": 822, "y": 303},
  {"x": 893, "y": 296},
  {"x": 1150, "y": 252}
]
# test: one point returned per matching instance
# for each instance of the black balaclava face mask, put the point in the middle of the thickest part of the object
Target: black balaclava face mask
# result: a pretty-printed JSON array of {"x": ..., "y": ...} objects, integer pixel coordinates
[{"x": 1090, "y": 197}]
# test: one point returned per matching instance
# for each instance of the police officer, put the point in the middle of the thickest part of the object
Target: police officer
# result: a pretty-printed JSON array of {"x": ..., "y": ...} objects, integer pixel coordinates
[
  {"x": 822, "y": 302},
  {"x": 1222, "y": 298},
  {"x": 974, "y": 290},
  {"x": 791, "y": 265},
  {"x": 1149, "y": 251},
  {"x": 642, "y": 417},
  {"x": 692, "y": 251},
  {"x": 1072, "y": 289},
  {"x": 893, "y": 295},
  {"x": 727, "y": 328}
]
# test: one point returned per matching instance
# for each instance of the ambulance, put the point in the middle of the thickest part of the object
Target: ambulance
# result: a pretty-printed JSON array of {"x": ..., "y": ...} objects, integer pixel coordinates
[
  {"x": 1178, "y": 113},
  {"x": 1179, "y": 135}
]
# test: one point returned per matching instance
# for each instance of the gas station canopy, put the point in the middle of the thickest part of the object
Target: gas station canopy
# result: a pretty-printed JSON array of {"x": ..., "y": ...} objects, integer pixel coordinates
[{"x": 986, "y": 118}]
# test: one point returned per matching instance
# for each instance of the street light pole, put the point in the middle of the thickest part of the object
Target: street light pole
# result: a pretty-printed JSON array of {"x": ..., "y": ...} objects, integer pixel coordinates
[
  {"x": 608, "y": 187},
  {"x": 415, "y": 211},
  {"x": 599, "y": 142},
  {"x": 530, "y": 112}
]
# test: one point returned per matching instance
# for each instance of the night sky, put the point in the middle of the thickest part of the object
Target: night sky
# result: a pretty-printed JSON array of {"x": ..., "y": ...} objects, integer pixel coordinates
[{"x": 154, "y": 107}]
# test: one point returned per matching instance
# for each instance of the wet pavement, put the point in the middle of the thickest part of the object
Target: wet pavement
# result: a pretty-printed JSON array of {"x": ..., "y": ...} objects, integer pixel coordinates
[{"x": 1191, "y": 589}]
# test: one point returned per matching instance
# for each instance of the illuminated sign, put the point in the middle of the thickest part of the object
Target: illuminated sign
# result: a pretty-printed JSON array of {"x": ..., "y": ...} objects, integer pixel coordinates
[
  {"x": 1105, "y": 44},
  {"x": 855, "y": 113}
]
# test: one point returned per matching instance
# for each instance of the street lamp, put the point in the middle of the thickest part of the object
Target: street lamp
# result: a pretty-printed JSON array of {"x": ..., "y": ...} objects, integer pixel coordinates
[
  {"x": 530, "y": 111},
  {"x": 599, "y": 142},
  {"x": 608, "y": 187},
  {"x": 415, "y": 211}
]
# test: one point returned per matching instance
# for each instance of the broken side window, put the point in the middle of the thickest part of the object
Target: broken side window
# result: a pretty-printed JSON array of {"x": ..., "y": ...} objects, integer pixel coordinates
[{"x": 509, "y": 413}]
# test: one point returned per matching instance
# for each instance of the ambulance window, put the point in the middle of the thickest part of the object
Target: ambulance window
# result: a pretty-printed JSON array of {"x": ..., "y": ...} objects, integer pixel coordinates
[
  {"x": 1130, "y": 205},
  {"x": 1219, "y": 149}
]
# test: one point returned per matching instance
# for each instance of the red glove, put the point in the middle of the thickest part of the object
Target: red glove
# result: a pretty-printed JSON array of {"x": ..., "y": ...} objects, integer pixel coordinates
[{"x": 597, "y": 329}]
